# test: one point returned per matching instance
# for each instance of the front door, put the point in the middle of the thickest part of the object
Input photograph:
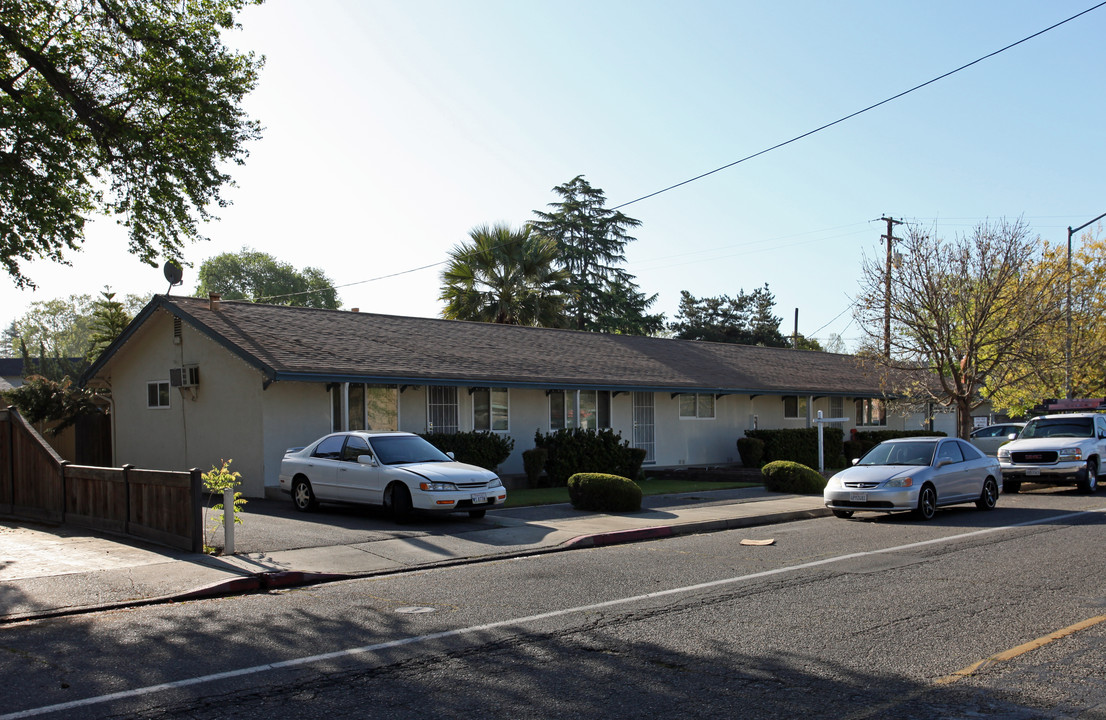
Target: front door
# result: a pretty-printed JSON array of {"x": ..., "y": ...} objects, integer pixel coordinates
[{"x": 643, "y": 425}]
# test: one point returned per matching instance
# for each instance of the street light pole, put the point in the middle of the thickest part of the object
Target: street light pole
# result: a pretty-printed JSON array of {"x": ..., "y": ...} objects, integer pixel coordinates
[{"x": 1067, "y": 338}]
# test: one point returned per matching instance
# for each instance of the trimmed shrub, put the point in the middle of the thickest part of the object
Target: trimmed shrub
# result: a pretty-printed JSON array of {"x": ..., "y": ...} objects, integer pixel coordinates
[
  {"x": 603, "y": 493},
  {"x": 533, "y": 462},
  {"x": 799, "y": 444},
  {"x": 751, "y": 450},
  {"x": 792, "y": 477},
  {"x": 576, "y": 450},
  {"x": 484, "y": 449}
]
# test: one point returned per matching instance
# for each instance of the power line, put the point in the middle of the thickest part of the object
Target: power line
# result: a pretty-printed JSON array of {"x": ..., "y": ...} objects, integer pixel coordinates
[
  {"x": 747, "y": 157},
  {"x": 858, "y": 112}
]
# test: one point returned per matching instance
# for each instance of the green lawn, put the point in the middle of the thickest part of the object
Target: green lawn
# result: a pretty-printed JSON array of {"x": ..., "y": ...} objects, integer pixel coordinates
[{"x": 649, "y": 486}]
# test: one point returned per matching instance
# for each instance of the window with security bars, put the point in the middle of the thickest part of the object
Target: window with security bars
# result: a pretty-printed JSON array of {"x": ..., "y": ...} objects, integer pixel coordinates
[{"x": 441, "y": 409}]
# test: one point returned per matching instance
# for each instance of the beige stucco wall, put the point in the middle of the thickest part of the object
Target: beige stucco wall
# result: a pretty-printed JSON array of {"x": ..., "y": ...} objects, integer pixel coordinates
[
  {"x": 293, "y": 414},
  {"x": 221, "y": 420}
]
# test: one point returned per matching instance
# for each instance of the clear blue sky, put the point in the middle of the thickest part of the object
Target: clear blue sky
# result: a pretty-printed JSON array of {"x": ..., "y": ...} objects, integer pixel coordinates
[{"x": 392, "y": 128}]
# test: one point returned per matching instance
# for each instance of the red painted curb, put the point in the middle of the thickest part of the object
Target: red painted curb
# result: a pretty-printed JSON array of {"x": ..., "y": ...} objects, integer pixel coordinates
[{"x": 621, "y": 536}]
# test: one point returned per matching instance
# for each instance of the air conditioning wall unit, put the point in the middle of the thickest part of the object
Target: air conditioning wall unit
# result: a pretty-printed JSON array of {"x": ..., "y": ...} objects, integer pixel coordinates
[{"x": 184, "y": 376}]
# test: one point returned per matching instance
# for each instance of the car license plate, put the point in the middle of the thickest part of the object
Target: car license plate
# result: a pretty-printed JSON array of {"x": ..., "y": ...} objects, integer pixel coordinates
[
  {"x": 476, "y": 499},
  {"x": 858, "y": 497},
  {"x": 1032, "y": 472}
]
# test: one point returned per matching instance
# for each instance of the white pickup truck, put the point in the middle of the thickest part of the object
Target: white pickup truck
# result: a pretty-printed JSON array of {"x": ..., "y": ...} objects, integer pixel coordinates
[{"x": 1056, "y": 450}]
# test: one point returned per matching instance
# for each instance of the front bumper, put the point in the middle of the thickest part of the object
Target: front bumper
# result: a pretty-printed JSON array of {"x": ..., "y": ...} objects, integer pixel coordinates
[
  {"x": 458, "y": 501},
  {"x": 1061, "y": 473},
  {"x": 876, "y": 499}
]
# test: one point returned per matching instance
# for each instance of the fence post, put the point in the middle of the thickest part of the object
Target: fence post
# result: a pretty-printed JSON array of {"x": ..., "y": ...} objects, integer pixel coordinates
[
  {"x": 196, "y": 491},
  {"x": 127, "y": 498},
  {"x": 64, "y": 488}
]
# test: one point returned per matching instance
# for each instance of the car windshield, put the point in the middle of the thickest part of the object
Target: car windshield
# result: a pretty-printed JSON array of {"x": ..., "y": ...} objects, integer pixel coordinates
[
  {"x": 900, "y": 453},
  {"x": 1058, "y": 427},
  {"x": 400, "y": 449}
]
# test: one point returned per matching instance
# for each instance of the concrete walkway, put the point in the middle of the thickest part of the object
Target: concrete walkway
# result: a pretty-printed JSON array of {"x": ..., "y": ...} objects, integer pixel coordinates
[{"x": 47, "y": 571}]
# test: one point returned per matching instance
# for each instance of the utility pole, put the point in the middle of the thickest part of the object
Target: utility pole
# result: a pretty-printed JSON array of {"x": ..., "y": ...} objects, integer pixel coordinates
[{"x": 890, "y": 238}]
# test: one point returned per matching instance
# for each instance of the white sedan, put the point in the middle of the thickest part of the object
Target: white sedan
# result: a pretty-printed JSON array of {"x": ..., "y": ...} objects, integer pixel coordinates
[{"x": 400, "y": 471}]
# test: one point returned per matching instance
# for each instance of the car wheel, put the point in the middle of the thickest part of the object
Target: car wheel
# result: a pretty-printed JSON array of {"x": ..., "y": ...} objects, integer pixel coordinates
[
  {"x": 478, "y": 513},
  {"x": 927, "y": 503},
  {"x": 1091, "y": 483},
  {"x": 846, "y": 514},
  {"x": 1011, "y": 486},
  {"x": 988, "y": 498},
  {"x": 302, "y": 495},
  {"x": 398, "y": 501}
]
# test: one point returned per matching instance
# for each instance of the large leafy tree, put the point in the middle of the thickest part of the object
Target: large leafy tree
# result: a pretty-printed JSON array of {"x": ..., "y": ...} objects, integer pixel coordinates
[
  {"x": 55, "y": 336},
  {"x": 505, "y": 276},
  {"x": 123, "y": 107},
  {"x": 592, "y": 242},
  {"x": 1033, "y": 382},
  {"x": 259, "y": 277},
  {"x": 747, "y": 319},
  {"x": 968, "y": 316}
]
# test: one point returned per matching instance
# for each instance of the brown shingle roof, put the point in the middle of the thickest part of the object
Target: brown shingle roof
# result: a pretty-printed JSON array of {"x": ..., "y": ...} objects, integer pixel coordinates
[{"x": 289, "y": 343}]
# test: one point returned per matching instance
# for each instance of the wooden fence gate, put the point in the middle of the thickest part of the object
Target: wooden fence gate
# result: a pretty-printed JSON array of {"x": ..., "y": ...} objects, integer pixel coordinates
[{"x": 161, "y": 506}]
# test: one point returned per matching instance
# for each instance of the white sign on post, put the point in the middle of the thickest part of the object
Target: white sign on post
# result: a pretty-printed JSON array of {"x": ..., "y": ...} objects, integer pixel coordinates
[{"x": 821, "y": 443}]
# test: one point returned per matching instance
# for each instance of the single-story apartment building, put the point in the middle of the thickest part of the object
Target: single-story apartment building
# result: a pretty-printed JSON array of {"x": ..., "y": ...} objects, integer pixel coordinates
[{"x": 196, "y": 380}]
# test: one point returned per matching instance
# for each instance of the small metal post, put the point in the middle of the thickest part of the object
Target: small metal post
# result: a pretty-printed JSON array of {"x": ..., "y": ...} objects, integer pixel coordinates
[{"x": 228, "y": 521}]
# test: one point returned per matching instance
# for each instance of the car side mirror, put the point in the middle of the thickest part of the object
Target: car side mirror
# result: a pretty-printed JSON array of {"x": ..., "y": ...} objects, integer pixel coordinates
[
  {"x": 1012, "y": 436},
  {"x": 856, "y": 460},
  {"x": 366, "y": 460},
  {"x": 451, "y": 456}
]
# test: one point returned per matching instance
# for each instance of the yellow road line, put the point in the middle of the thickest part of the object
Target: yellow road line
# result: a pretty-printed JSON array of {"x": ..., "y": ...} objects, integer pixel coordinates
[{"x": 1020, "y": 650}]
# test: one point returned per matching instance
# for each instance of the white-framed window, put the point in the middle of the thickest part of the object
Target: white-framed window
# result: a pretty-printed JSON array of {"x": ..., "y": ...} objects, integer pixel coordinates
[
  {"x": 367, "y": 407},
  {"x": 491, "y": 409},
  {"x": 594, "y": 409},
  {"x": 441, "y": 409},
  {"x": 837, "y": 407},
  {"x": 697, "y": 405},
  {"x": 871, "y": 411},
  {"x": 157, "y": 394},
  {"x": 794, "y": 406}
]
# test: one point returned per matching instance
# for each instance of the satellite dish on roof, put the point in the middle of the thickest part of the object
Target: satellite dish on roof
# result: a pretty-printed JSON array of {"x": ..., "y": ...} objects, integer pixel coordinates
[{"x": 173, "y": 273}]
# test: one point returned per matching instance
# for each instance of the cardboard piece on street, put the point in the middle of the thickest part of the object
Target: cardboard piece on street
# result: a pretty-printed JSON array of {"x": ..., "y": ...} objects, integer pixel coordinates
[{"x": 769, "y": 541}]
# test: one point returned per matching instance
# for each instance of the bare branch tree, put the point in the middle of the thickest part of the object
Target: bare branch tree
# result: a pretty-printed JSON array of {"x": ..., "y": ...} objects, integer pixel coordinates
[{"x": 968, "y": 316}]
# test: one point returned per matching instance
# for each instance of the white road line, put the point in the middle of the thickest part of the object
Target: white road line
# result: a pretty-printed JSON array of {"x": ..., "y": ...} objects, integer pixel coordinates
[{"x": 367, "y": 649}]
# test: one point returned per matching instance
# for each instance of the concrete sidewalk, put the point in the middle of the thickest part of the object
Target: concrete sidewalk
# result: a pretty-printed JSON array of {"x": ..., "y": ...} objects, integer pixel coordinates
[{"x": 48, "y": 571}]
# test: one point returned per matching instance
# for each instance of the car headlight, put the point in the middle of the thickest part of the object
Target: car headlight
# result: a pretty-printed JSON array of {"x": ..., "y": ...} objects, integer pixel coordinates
[
  {"x": 495, "y": 482},
  {"x": 833, "y": 483},
  {"x": 1003, "y": 453},
  {"x": 437, "y": 486},
  {"x": 900, "y": 482},
  {"x": 1069, "y": 454}
]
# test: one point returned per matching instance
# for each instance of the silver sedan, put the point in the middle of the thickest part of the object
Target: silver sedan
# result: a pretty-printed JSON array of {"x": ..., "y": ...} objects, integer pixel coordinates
[{"x": 917, "y": 474}]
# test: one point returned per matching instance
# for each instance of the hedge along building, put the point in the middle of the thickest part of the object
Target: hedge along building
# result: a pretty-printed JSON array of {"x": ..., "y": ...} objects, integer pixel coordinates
[{"x": 194, "y": 381}]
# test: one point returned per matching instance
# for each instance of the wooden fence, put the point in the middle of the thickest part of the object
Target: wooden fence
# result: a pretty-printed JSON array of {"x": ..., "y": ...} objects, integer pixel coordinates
[{"x": 161, "y": 506}]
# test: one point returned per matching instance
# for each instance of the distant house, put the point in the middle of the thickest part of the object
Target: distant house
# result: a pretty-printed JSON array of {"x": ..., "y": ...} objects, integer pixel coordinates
[
  {"x": 11, "y": 373},
  {"x": 194, "y": 381}
]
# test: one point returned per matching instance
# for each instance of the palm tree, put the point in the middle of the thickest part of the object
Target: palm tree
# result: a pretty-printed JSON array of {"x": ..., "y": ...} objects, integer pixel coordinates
[{"x": 505, "y": 276}]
